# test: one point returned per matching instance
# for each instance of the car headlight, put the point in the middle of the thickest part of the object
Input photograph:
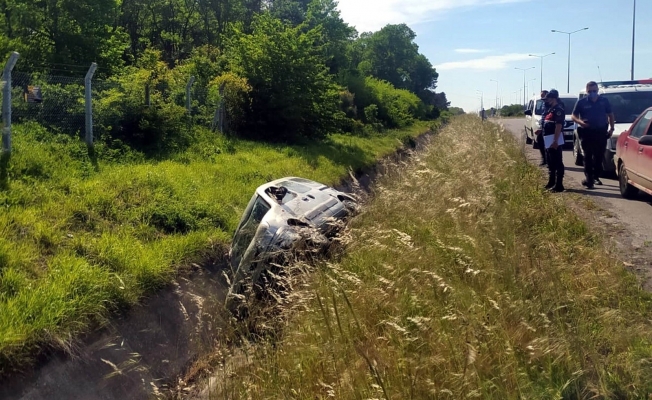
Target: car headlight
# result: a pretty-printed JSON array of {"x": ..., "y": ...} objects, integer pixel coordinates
[{"x": 611, "y": 144}]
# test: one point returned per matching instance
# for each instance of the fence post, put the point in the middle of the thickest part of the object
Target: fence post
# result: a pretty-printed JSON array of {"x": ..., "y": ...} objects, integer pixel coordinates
[
  {"x": 6, "y": 103},
  {"x": 218, "y": 117},
  {"x": 188, "y": 95},
  {"x": 148, "y": 101},
  {"x": 89, "y": 104}
]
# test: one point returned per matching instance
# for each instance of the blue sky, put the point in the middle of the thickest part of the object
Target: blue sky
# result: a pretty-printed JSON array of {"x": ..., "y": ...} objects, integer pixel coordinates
[{"x": 471, "y": 42}]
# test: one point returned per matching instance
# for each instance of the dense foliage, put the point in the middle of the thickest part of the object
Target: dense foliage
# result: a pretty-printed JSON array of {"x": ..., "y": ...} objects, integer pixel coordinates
[
  {"x": 288, "y": 69},
  {"x": 513, "y": 110}
]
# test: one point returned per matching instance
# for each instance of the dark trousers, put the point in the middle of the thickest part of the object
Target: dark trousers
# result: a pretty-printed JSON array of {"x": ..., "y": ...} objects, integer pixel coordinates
[
  {"x": 594, "y": 144},
  {"x": 555, "y": 166},
  {"x": 542, "y": 148}
]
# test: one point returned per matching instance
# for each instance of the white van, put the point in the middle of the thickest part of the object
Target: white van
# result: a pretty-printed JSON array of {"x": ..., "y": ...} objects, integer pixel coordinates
[
  {"x": 628, "y": 100},
  {"x": 534, "y": 110}
]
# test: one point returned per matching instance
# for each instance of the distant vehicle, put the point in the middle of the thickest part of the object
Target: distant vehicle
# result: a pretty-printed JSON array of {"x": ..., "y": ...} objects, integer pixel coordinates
[
  {"x": 633, "y": 156},
  {"x": 533, "y": 117},
  {"x": 282, "y": 214},
  {"x": 628, "y": 100}
]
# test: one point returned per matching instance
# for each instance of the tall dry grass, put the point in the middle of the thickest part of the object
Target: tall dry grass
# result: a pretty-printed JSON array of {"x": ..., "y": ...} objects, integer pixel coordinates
[{"x": 461, "y": 279}]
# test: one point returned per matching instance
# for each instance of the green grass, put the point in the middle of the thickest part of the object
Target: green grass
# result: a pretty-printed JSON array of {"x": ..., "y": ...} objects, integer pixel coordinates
[
  {"x": 464, "y": 280},
  {"x": 84, "y": 236}
]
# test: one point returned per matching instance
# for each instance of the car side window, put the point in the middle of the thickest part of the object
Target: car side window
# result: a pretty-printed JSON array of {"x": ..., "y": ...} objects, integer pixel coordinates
[
  {"x": 246, "y": 232},
  {"x": 641, "y": 127}
]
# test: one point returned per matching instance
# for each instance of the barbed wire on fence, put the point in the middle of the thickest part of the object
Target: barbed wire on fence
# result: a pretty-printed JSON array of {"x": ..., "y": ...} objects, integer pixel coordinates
[{"x": 58, "y": 101}]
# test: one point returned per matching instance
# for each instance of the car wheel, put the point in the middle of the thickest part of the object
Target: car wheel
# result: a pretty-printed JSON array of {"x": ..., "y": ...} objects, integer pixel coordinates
[
  {"x": 626, "y": 190},
  {"x": 528, "y": 139},
  {"x": 577, "y": 154}
]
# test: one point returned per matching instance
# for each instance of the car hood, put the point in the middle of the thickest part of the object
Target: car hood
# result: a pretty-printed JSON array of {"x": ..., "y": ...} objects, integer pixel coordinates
[{"x": 620, "y": 128}]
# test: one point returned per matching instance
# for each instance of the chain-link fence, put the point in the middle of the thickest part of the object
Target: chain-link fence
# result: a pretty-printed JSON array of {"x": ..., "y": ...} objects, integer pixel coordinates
[{"x": 59, "y": 102}]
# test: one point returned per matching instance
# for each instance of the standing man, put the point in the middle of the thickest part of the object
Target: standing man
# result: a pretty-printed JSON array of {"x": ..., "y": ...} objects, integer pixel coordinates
[
  {"x": 553, "y": 124},
  {"x": 539, "y": 134},
  {"x": 595, "y": 122}
]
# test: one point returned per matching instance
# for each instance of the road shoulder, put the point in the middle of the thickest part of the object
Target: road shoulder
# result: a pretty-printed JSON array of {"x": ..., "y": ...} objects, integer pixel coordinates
[{"x": 623, "y": 243}]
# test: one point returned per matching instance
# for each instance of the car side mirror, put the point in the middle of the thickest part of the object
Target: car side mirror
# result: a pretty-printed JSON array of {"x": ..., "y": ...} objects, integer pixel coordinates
[
  {"x": 645, "y": 140},
  {"x": 528, "y": 112}
]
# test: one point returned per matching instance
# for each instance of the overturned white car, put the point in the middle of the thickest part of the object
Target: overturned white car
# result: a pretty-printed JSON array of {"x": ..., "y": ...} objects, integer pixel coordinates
[{"x": 280, "y": 216}]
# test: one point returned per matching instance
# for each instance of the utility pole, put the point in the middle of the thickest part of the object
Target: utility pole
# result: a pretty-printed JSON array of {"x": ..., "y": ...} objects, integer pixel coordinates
[
  {"x": 524, "y": 90},
  {"x": 541, "y": 57},
  {"x": 569, "y": 52},
  {"x": 493, "y": 80},
  {"x": 633, "y": 37}
]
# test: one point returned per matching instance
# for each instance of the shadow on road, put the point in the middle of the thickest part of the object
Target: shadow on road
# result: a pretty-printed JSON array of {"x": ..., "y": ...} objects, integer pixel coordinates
[
  {"x": 574, "y": 169},
  {"x": 643, "y": 198}
]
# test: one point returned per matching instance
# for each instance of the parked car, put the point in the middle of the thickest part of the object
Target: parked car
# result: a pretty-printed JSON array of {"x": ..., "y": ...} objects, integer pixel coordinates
[
  {"x": 633, "y": 157},
  {"x": 281, "y": 215},
  {"x": 628, "y": 99},
  {"x": 533, "y": 113}
]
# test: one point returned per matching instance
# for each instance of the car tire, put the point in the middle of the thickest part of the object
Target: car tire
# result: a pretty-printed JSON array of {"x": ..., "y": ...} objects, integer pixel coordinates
[
  {"x": 577, "y": 154},
  {"x": 626, "y": 189},
  {"x": 528, "y": 139}
]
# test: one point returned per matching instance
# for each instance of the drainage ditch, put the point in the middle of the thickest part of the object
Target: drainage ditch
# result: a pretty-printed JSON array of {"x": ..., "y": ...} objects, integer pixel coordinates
[{"x": 141, "y": 352}]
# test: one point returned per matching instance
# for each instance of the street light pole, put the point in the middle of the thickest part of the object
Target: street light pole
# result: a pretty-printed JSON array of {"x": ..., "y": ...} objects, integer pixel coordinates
[
  {"x": 541, "y": 57},
  {"x": 528, "y": 84},
  {"x": 493, "y": 80},
  {"x": 569, "y": 52},
  {"x": 524, "y": 92},
  {"x": 633, "y": 37},
  {"x": 481, "y": 98}
]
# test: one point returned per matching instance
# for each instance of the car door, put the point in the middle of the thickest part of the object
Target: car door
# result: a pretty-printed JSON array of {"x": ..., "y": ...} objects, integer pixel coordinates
[
  {"x": 644, "y": 164},
  {"x": 632, "y": 153},
  {"x": 528, "y": 118}
]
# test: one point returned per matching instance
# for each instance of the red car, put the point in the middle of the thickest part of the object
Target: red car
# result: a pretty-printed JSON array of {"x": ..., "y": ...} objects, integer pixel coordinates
[{"x": 633, "y": 159}]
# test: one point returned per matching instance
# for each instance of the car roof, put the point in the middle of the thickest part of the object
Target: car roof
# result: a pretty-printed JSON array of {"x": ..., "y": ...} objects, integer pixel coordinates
[
  {"x": 307, "y": 196},
  {"x": 561, "y": 96},
  {"x": 641, "y": 85}
]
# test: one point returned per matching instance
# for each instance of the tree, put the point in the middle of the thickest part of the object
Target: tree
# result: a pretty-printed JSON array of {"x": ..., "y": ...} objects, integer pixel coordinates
[
  {"x": 73, "y": 32},
  {"x": 391, "y": 54},
  {"x": 291, "y": 90}
]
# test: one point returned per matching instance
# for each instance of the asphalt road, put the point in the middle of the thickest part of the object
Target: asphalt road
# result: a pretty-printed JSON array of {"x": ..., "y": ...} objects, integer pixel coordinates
[{"x": 635, "y": 215}]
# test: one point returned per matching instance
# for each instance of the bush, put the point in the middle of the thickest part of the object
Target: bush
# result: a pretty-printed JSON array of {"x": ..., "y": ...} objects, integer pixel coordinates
[
  {"x": 396, "y": 107},
  {"x": 62, "y": 105},
  {"x": 392, "y": 107},
  {"x": 292, "y": 93},
  {"x": 237, "y": 100},
  {"x": 122, "y": 112},
  {"x": 512, "y": 110}
]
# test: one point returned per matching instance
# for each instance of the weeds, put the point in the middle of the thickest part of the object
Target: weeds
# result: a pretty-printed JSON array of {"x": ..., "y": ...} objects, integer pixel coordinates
[
  {"x": 83, "y": 236},
  {"x": 465, "y": 280}
]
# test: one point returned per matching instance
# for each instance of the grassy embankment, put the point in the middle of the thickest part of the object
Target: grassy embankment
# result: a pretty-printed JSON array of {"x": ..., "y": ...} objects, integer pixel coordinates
[
  {"x": 81, "y": 238},
  {"x": 465, "y": 280}
]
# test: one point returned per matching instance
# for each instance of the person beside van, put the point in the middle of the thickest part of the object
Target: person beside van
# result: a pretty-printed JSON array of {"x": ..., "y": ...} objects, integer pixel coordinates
[
  {"x": 595, "y": 125},
  {"x": 539, "y": 133},
  {"x": 553, "y": 124}
]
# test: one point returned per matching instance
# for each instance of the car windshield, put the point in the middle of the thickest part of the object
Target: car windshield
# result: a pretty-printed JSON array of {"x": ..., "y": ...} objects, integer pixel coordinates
[
  {"x": 569, "y": 104},
  {"x": 295, "y": 187},
  {"x": 245, "y": 233},
  {"x": 627, "y": 106}
]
